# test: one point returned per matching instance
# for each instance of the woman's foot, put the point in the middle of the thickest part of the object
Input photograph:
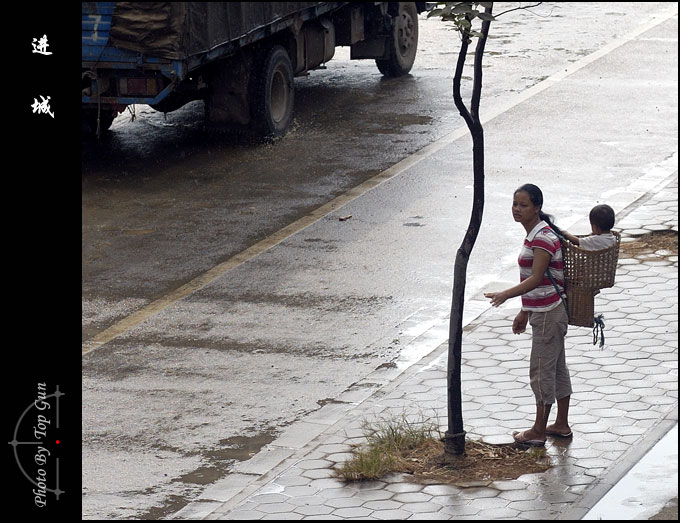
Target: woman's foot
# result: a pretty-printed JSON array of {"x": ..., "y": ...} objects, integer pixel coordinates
[
  {"x": 527, "y": 439},
  {"x": 561, "y": 431}
]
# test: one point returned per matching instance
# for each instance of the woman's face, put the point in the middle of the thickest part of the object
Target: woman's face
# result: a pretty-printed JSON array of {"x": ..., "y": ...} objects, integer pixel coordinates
[{"x": 523, "y": 210}]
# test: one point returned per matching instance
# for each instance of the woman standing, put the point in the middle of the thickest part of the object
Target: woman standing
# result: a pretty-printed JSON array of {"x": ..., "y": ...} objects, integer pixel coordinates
[{"x": 542, "y": 307}]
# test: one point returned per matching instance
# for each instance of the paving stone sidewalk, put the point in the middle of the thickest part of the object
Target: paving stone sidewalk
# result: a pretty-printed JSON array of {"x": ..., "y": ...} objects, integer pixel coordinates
[{"x": 625, "y": 399}]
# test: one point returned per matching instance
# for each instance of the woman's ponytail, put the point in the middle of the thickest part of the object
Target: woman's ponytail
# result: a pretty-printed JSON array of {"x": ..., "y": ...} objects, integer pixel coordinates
[{"x": 548, "y": 218}]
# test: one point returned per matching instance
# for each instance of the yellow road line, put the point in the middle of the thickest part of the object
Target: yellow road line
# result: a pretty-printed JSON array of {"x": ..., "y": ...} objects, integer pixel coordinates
[{"x": 204, "y": 279}]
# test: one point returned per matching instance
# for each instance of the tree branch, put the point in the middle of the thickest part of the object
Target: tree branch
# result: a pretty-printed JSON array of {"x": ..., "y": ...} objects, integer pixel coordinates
[
  {"x": 518, "y": 8},
  {"x": 477, "y": 81},
  {"x": 457, "y": 98}
]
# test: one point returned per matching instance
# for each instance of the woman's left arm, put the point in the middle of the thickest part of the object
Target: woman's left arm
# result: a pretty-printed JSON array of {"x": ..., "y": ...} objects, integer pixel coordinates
[{"x": 538, "y": 268}]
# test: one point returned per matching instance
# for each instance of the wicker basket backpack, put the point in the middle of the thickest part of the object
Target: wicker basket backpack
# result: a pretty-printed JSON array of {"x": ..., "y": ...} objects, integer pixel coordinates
[{"x": 585, "y": 273}]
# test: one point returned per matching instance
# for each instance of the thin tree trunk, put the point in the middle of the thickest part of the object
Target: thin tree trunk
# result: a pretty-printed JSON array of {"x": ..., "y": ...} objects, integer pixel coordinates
[{"x": 454, "y": 439}]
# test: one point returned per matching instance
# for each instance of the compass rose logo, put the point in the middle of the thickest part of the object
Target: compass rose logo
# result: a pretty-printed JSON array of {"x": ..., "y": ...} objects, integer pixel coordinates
[{"x": 35, "y": 447}]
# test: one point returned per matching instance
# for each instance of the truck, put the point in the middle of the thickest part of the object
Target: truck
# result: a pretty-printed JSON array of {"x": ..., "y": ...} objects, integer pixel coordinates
[{"x": 240, "y": 58}]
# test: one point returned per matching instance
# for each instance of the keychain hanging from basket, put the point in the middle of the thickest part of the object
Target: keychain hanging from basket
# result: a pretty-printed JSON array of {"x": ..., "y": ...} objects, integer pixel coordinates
[{"x": 585, "y": 273}]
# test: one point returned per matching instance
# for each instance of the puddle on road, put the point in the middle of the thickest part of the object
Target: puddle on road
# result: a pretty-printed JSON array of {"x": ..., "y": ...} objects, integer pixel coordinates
[
  {"x": 396, "y": 123},
  {"x": 218, "y": 462},
  {"x": 173, "y": 504},
  {"x": 237, "y": 448},
  {"x": 317, "y": 302}
]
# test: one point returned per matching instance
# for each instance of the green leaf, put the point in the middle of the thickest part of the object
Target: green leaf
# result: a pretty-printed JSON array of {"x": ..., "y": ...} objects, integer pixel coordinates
[{"x": 435, "y": 12}]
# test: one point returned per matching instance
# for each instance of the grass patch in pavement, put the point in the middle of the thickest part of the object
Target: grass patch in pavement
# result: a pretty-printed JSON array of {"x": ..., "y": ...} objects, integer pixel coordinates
[{"x": 400, "y": 445}]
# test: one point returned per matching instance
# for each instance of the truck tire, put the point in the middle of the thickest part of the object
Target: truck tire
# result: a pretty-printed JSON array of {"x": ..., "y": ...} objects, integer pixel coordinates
[
  {"x": 403, "y": 42},
  {"x": 273, "y": 91}
]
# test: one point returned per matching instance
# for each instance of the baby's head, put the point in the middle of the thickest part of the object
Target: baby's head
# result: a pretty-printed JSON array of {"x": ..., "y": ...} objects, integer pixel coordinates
[{"x": 601, "y": 218}]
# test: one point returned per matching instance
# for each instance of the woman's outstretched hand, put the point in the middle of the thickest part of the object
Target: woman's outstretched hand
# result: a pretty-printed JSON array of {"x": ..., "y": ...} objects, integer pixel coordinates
[
  {"x": 519, "y": 324},
  {"x": 497, "y": 298}
]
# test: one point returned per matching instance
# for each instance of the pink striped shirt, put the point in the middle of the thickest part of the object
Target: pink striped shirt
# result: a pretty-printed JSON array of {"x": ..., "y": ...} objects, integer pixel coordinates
[{"x": 544, "y": 297}]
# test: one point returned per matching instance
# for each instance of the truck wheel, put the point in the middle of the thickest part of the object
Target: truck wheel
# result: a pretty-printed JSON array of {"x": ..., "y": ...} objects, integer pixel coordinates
[
  {"x": 403, "y": 42},
  {"x": 273, "y": 93}
]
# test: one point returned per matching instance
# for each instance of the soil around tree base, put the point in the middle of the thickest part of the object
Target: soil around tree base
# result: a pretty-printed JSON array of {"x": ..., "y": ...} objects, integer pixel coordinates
[
  {"x": 481, "y": 464},
  {"x": 656, "y": 244}
]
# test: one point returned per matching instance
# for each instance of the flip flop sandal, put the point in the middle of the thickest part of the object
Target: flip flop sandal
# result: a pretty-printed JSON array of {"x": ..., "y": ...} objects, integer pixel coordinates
[
  {"x": 526, "y": 443},
  {"x": 558, "y": 434}
]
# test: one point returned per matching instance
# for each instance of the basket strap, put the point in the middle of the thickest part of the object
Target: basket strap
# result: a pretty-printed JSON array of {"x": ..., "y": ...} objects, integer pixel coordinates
[
  {"x": 557, "y": 290},
  {"x": 550, "y": 276}
]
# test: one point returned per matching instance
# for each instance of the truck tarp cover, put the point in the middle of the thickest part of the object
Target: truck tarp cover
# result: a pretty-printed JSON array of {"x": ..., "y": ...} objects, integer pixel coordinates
[{"x": 177, "y": 30}]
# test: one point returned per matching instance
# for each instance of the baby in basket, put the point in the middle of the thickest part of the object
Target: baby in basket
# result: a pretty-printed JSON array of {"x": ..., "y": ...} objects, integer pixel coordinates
[{"x": 601, "y": 222}]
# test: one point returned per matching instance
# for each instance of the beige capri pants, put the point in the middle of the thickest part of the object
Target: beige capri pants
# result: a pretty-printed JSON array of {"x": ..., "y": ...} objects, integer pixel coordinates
[{"x": 548, "y": 372}]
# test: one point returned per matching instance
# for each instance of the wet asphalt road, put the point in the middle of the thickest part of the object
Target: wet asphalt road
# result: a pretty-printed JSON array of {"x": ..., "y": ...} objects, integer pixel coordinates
[{"x": 173, "y": 401}]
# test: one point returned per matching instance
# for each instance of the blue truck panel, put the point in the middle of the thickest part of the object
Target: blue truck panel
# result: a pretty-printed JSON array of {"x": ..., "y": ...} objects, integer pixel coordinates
[
  {"x": 105, "y": 65},
  {"x": 96, "y": 24}
]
